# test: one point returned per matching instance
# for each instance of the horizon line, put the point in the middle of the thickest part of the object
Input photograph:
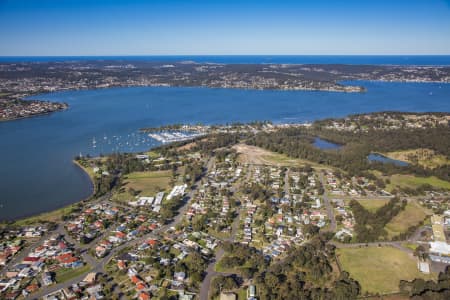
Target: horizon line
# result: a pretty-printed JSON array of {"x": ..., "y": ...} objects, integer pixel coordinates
[{"x": 147, "y": 55}]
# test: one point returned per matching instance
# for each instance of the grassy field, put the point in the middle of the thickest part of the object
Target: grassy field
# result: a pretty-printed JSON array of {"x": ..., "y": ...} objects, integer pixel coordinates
[
  {"x": 259, "y": 156},
  {"x": 283, "y": 160},
  {"x": 146, "y": 183},
  {"x": 423, "y": 157},
  {"x": 379, "y": 270},
  {"x": 65, "y": 274},
  {"x": 410, "y": 216},
  {"x": 371, "y": 205},
  {"x": 153, "y": 154},
  {"x": 414, "y": 182}
]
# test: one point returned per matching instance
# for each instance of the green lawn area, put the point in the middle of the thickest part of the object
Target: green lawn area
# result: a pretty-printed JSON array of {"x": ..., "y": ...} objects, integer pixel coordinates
[
  {"x": 257, "y": 155},
  {"x": 147, "y": 183},
  {"x": 379, "y": 270},
  {"x": 65, "y": 274},
  {"x": 410, "y": 216},
  {"x": 153, "y": 154},
  {"x": 242, "y": 293},
  {"x": 283, "y": 160},
  {"x": 372, "y": 205},
  {"x": 414, "y": 182}
]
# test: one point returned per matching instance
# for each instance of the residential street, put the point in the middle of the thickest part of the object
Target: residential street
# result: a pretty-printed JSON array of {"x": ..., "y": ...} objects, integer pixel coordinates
[
  {"x": 328, "y": 205},
  {"x": 99, "y": 265}
]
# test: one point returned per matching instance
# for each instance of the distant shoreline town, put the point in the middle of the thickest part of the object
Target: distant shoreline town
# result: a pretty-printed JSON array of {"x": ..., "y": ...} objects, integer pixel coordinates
[{"x": 21, "y": 80}]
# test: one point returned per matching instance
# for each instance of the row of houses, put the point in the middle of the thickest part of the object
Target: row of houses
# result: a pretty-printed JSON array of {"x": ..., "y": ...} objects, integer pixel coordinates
[
  {"x": 91, "y": 222},
  {"x": 125, "y": 232},
  {"x": 42, "y": 262}
]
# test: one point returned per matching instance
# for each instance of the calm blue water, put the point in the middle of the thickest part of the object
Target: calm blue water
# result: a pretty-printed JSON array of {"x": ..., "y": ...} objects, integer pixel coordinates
[
  {"x": 36, "y": 154},
  {"x": 257, "y": 59},
  {"x": 325, "y": 145},
  {"x": 386, "y": 160}
]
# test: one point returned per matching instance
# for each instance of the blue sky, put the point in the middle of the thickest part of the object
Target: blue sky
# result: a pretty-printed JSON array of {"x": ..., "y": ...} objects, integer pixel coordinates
[{"x": 97, "y": 27}]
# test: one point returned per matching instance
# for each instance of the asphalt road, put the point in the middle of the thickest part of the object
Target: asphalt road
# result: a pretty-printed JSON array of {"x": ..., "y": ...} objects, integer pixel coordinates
[
  {"x": 328, "y": 206},
  {"x": 210, "y": 271},
  {"x": 286, "y": 183}
]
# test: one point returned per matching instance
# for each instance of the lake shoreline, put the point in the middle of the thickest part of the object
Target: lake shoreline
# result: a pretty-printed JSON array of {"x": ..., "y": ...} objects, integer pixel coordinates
[
  {"x": 91, "y": 179},
  {"x": 45, "y": 215}
]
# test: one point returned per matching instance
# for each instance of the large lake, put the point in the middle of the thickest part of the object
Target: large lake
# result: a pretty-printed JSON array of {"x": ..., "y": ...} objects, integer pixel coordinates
[{"x": 37, "y": 173}]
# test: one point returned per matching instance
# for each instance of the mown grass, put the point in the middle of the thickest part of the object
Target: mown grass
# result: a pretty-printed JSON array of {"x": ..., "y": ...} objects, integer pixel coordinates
[
  {"x": 281, "y": 159},
  {"x": 257, "y": 155},
  {"x": 414, "y": 182},
  {"x": 379, "y": 270},
  {"x": 65, "y": 274},
  {"x": 412, "y": 215},
  {"x": 242, "y": 293},
  {"x": 153, "y": 154},
  {"x": 146, "y": 183},
  {"x": 373, "y": 205}
]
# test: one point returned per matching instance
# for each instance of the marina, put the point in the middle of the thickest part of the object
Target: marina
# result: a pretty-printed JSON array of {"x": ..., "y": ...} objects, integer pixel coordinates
[{"x": 176, "y": 136}]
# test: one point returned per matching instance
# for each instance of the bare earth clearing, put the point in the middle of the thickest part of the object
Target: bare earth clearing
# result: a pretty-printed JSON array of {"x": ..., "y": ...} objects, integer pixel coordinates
[{"x": 257, "y": 156}]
